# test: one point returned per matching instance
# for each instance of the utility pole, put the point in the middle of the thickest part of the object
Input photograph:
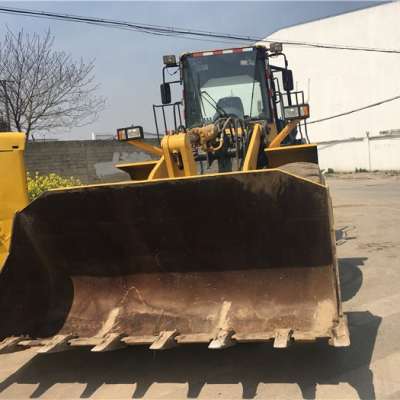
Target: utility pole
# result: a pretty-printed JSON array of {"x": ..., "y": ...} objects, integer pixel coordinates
[{"x": 3, "y": 84}]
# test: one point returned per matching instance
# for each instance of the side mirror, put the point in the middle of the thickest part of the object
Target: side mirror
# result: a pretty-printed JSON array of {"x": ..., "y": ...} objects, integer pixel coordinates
[
  {"x": 165, "y": 93},
  {"x": 287, "y": 77}
]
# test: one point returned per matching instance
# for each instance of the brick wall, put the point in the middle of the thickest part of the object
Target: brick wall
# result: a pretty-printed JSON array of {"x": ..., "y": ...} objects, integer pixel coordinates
[{"x": 89, "y": 160}]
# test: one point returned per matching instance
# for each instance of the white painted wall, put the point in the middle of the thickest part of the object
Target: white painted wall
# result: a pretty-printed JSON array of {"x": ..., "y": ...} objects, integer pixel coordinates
[
  {"x": 370, "y": 153},
  {"x": 337, "y": 81},
  {"x": 385, "y": 153}
]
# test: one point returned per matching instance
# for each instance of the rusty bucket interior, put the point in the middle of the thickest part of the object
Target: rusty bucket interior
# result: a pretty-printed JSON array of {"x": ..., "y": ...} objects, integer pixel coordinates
[{"x": 246, "y": 254}]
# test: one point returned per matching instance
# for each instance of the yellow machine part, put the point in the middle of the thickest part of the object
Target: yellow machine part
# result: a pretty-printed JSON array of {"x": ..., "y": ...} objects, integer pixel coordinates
[
  {"x": 278, "y": 139},
  {"x": 138, "y": 171},
  {"x": 250, "y": 161},
  {"x": 13, "y": 190},
  {"x": 176, "y": 159}
]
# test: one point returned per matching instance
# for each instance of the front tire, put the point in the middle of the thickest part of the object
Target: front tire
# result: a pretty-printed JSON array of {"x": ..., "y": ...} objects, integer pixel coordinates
[{"x": 307, "y": 170}]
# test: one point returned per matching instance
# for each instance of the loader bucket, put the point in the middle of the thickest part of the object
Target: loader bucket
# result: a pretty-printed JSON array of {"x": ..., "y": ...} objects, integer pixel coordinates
[{"x": 219, "y": 259}]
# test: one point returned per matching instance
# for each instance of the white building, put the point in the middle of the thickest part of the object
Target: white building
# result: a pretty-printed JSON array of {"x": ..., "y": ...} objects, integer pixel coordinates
[{"x": 337, "y": 81}]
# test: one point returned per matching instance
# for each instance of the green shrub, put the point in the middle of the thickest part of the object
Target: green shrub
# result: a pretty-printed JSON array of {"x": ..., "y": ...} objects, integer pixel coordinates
[{"x": 37, "y": 184}]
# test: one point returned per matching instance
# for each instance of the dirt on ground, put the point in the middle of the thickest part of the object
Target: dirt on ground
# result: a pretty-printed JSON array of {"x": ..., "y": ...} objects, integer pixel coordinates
[{"x": 367, "y": 220}]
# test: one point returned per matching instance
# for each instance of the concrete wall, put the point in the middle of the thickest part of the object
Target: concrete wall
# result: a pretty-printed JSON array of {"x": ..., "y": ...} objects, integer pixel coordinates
[
  {"x": 89, "y": 160},
  {"x": 370, "y": 153}
]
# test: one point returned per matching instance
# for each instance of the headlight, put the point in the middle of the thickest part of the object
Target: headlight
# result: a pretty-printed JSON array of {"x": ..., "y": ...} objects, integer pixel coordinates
[
  {"x": 301, "y": 111},
  {"x": 130, "y": 133},
  {"x": 275, "y": 47},
  {"x": 169, "y": 60}
]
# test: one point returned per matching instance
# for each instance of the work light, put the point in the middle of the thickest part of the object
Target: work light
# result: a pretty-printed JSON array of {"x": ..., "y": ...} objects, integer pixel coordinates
[
  {"x": 275, "y": 47},
  {"x": 169, "y": 60},
  {"x": 130, "y": 133},
  {"x": 300, "y": 111}
]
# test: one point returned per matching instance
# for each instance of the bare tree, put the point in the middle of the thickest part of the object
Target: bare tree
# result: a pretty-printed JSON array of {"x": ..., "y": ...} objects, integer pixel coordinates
[{"x": 46, "y": 89}]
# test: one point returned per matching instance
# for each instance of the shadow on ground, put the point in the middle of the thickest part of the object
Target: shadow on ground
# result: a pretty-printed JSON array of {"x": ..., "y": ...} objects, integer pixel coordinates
[
  {"x": 350, "y": 276},
  {"x": 245, "y": 364}
]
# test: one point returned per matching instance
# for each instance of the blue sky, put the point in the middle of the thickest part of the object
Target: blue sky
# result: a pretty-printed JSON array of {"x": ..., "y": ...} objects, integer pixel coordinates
[{"x": 128, "y": 64}]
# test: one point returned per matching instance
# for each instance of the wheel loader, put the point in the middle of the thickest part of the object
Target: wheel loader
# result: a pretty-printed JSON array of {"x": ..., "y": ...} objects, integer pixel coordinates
[{"x": 225, "y": 236}]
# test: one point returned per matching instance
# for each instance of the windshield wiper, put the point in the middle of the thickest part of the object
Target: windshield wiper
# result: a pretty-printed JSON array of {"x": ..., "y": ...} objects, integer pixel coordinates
[{"x": 213, "y": 104}]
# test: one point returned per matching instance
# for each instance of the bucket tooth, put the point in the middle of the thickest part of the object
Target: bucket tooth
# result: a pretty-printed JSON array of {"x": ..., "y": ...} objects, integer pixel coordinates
[
  {"x": 10, "y": 344},
  {"x": 27, "y": 343},
  {"x": 223, "y": 339},
  {"x": 304, "y": 337},
  {"x": 110, "y": 342},
  {"x": 194, "y": 338},
  {"x": 56, "y": 344},
  {"x": 165, "y": 340},
  {"x": 282, "y": 338},
  {"x": 139, "y": 340},
  {"x": 86, "y": 341},
  {"x": 253, "y": 337},
  {"x": 340, "y": 334}
]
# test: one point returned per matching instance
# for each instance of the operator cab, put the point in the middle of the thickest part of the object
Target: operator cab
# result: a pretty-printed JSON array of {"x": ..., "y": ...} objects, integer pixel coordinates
[{"x": 224, "y": 82}]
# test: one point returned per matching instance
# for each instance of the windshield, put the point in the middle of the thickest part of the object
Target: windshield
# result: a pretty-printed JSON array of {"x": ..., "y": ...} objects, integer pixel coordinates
[{"x": 224, "y": 84}]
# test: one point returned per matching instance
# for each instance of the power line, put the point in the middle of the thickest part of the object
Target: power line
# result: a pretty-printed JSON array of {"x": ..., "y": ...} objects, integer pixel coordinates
[
  {"x": 355, "y": 110},
  {"x": 125, "y": 25},
  {"x": 181, "y": 32}
]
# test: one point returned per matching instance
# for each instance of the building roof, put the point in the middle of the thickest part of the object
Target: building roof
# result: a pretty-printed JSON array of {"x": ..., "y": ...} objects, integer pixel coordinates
[{"x": 373, "y": 5}]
